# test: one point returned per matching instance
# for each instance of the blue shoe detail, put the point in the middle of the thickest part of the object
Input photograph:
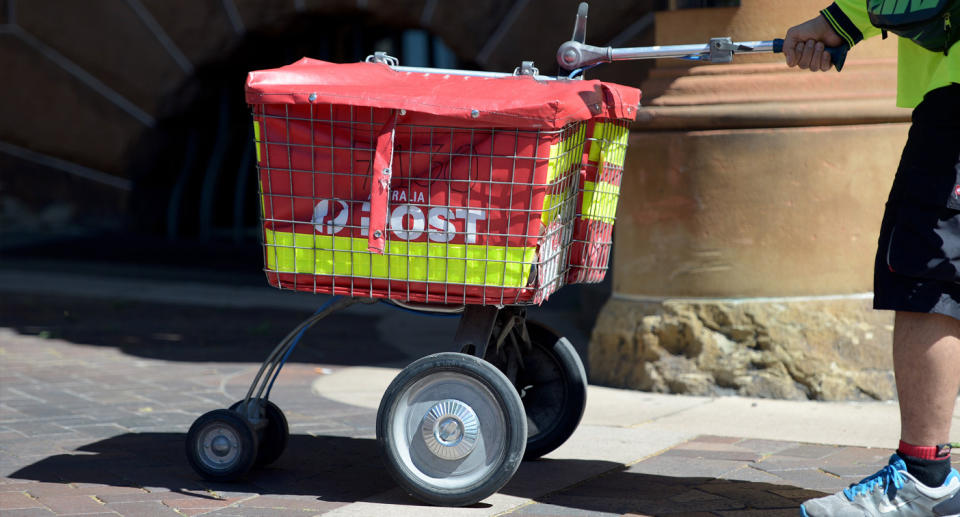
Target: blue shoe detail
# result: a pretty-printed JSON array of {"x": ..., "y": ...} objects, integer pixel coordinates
[
  {"x": 889, "y": 478},
  {"x": 891, "y": 492},
  {"x": 953, "y": 475}
]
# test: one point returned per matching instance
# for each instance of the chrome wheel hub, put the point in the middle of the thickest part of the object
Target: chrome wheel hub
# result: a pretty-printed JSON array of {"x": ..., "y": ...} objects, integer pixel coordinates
[
  {"x": 450, "y": 429},
  {"x": 219, "y": 446}
]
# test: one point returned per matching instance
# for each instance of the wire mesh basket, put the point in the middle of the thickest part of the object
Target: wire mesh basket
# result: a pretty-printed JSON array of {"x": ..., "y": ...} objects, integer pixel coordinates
[
  {"x": 477, "y": 203},
  {"x": 599, "y": 194}
]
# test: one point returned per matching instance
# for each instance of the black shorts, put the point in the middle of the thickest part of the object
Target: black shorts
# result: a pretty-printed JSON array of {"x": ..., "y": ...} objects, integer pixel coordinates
[{"x": 918, "y": 253}]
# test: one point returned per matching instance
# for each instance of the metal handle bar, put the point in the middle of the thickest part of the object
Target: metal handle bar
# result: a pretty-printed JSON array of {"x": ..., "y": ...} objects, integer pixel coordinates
[
  {"x": 574, "y": 54},
  {"x": 525, "y": 68},
  {"x": 472, "y": 73},
  {"x": 577, "y": 55}
]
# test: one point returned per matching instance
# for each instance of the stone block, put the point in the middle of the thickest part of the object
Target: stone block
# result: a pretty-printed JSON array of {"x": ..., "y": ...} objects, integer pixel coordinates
[
  {"x": 16, "y": 501},
  {"x": 68, "y": 504},
  {"x": 543, "y": 26},
  {"x": 109, "y": 41},
  {"x": 674, "y": 466},
  {"x": 143, "y": 509},
  {"x": 813, "y": 349},
  {"x": 554, "y": 510},
  {"x": 49, "y": 111},
  {"x": 717, "y": 214},
  {"x": 201, "y": 29},
  {"x": 255, "y": 14},
  {"x": 29, "y": 512},
  {"x": 466, "y": 26},
  {"x": 749, "y": 494},
  {"x": 300, "y": 503},
  {"x": 782, "y": 512},
  {"x": 407, "y": 13}
]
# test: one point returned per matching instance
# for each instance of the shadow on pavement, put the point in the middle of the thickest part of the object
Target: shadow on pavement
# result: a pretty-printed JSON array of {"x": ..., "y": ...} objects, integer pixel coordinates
[
  {"x": 343, "y": 469},
  {"x": 624, "y": 492},
  {"x": 196, "y": 334},
  {"x": 188, "y": 333},
  {"x": 332, "y": 468}
]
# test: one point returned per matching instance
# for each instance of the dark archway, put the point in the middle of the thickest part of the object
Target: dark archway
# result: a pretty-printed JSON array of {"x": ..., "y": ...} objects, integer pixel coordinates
[{"x": 194, "y": 173}]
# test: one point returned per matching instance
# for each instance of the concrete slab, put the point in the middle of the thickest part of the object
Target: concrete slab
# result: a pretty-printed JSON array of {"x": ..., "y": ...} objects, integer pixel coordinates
[
  {"x": 617, "y": 445},
  {"x": 866, "y": 424},
  {"x": 626, "y": 408},
  {"x": 361, "y": 386}
]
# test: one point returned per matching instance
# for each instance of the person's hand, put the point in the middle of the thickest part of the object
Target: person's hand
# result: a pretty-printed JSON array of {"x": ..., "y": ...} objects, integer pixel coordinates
[{"x": 804, "y": 44}]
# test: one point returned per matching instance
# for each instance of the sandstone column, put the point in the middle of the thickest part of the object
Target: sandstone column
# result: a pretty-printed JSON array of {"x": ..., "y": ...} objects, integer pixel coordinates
[{"x": 747, "y": 225}]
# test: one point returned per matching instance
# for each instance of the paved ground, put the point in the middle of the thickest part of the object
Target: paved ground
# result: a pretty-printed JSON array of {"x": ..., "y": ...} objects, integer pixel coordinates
[{"x": 97, "y": 393}]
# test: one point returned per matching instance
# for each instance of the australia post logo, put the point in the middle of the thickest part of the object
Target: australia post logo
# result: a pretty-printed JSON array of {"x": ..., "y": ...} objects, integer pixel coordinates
[{"x": 408, "y": 222}]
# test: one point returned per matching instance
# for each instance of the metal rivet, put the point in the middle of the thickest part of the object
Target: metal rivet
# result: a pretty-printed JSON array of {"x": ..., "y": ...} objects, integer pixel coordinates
[
  {"x": 313, "y": 97},
  {"x": 403, "y": 112},
  {"x": 376, "y": 234},
  {"x": 475, "y": 113}
]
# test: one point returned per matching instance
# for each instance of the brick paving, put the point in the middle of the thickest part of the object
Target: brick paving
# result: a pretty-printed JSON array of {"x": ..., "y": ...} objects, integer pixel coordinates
[{"x": 95, "y": 425}]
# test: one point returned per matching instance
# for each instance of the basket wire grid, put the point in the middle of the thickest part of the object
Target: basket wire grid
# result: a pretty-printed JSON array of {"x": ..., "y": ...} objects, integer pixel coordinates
[
  {"x": 476, "y": 215},
  {"x": 599, "y": 196}
]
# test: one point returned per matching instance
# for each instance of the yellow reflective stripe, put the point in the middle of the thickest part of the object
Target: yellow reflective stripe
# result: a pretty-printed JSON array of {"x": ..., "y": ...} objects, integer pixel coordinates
[
  {"x": 563, "y": 156},
  {"x": 595, "y": 138},
  {"x": 463, "y": 264},
  {"x": 600, "y": 201},
  {"x": 621, "y": 140},
  {"x": 256, "y": 145},
  {"x": 553, "y": 167},
  {"x": 256, "y": 138},
  {"x": 608, "y": 144}
]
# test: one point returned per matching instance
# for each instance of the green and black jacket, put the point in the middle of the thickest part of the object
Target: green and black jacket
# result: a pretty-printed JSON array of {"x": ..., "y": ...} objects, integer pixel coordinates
[{"x": 918, "y": 69}]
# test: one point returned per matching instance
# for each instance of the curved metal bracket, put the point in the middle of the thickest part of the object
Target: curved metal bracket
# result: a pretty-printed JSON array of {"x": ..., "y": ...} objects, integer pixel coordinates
[{"x": 383, "y": 57}]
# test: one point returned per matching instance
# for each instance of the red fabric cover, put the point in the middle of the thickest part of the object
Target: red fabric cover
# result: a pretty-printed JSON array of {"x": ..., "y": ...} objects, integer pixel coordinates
[
  {"x": 501, "y": 175},
  {"x": 519, "y": 102},
  {"x": 592, "y": 242},
  {"x": 318, "y": 154}
]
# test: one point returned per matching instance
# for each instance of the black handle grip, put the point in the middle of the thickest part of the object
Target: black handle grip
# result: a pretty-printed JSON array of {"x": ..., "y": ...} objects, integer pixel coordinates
[{"x": 838, "y": 55}]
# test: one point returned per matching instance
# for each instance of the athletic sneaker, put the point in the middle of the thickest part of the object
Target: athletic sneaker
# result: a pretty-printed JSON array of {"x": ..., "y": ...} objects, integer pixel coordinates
[{"x": 892, "y": 492}]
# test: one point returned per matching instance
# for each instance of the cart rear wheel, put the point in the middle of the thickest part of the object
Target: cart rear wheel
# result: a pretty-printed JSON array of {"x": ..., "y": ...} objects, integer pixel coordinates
[
  {"x": 553, "y": 387},
  {"x": 273, "y": 437},
  {"x": 221, "y": 445},
  {"x": 452, "y": 429}
]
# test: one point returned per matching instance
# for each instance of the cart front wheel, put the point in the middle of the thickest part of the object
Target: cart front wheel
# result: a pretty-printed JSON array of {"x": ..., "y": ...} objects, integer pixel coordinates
[
  {"x": 273, "y": 437},
  {"x": 221, "y": 445},
  {"x": 553, "y": 387},
  {"x": 452, "y": 429}
]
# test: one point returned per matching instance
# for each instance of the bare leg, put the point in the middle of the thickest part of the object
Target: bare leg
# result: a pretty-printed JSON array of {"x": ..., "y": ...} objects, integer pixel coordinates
[{"x": 926, "y": 359}]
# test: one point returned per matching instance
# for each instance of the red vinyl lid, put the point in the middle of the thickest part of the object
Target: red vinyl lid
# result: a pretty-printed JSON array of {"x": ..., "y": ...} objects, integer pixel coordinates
[{"x": 520, "y": 102}]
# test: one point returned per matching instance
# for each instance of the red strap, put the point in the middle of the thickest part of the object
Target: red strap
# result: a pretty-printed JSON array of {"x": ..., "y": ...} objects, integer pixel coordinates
[
  {"x": 380, "y": 186},
  {"x": 925, "y": 452}
]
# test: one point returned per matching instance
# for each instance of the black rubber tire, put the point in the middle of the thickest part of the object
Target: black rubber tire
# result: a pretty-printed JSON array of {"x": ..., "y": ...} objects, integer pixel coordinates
[
  {"x": 241, "y": 440},
  {"x": 274, "y": 437},
  {"x": 506, "y": 401},
  {"x": 555, "y": 403}
]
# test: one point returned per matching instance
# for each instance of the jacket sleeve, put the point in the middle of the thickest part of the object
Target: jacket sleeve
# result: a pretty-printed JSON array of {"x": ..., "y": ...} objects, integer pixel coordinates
[{"x": 849, "y": 18}]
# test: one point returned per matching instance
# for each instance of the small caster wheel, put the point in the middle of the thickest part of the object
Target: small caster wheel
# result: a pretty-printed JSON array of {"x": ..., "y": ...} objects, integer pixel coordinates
[
  {"x": 452, "y": 429},
  {"x": 221, "y": 445},
  {"x": 272, "y": 437},
  {"x": 553, "y": 387}
]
